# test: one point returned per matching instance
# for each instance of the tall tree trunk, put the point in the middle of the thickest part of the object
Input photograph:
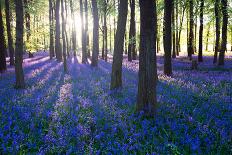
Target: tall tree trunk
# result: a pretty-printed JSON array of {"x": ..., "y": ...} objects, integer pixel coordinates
[
  {"x": 57, "y": 39},
  {"x": 73, "y": 29},
  {"x": 132, "y": 31},
  {"x": 207, "y": 38},
  {"x": 87, "y": 29},
  {"x": 191, "y": 33},
  {"x": 200, "y": 58},
  {"x": 116, "y": 75},
  {"x": 95, "y": 33},
  {"x": 28, "y": 24},
  {"x": 125, "y": 43},
  {"x": 168, "y": 4},
  {"x": 19, "y": 45},
  {"x": 103, "y": 38},
  {"x": 221, "y": 59},
  {"x": 63, "y": 35},
  {"x": 9, "y": 35},
  {"x": 2, "y": 44},
  {"x": 181, "y": 25},
  {"x": 231, "y": 38},
  {"x": 105, "y": 29},
  {"x": 177, "y": 27},
  {"x": 217, "y": 26},
  {"x": 173, "y": 32},
  {"x": 146, "y": 98},
  {"x": 51, "y": 23},
  {"x": 83, "y": 35},
  {"x": 66, "y": 33}
]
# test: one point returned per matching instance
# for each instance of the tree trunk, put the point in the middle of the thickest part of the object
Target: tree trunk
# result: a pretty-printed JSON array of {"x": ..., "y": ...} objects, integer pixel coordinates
[
  {"x": 83, "y": 35},
  {"x": 177, "y": 24},
  {"x": 95, "y": 33},
  {"x": 132, "y": 31},
  {"x": 57, "y": 39},
  {"x": 9, "y": 35},
  {"x": 28, "y": 25},
  {"x": 73, "y": 29},
  {"x": 63, "y": 35},
  {"x": 66, "y": 33},
  {"x": 105, "y": 29},
  {"x": 146, "y": 98},
  {"x": 19, "y": 45},
  {"x": 200, "y": 58},
  {"x": 221, "y": 60},
  {"x": 217, "y": 26},
  {"x": 116, "y": 75},
  {"x": 181, "y": 25},
  {"x": 2, "y": 44},
  {"x": 168, "y": 4},
  {"x": 87, "y": 29},
  {"x": 51, "y": 23},
  {"x": 191, "y": 33},
  {"x": 173, "y": 33},
  {"x": 207, "y": 38}
]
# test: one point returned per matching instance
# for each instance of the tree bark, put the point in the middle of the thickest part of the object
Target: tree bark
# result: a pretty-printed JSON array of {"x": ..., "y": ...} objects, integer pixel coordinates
[
  {"x": 51, "y": 23},
  {"x": 9, "y": 35},
  {"x": 116, "y": 75},
  {"x": 200, "y": 58},
  {"x": 73, "y": 29},
  {"x": 28, "y": 25},
  {"x": 207, "y": 38},
  {"x": 2, "y": 44},
  {"x": 19, "y": 45},
  {"x": 173, "y": 33},
  {"x": 63, "y": 35},
  {"x": 217, "y": 26},
  {"x": 87, "y": 29},
  {"x": 221, "y": 60},
  {"x": 146, "y": 98},
  {"x": 83, "y": 35},
  {"x": 177, "y": 27},
  {"x": 57, "y": 39},
  {"x": 132, "y": 32},
  {"x": 191, "y": 33},
  {"x": 105, "y": 30},
  {"x": 168, "y": 4},
  {"x": 95, "y": 34}
]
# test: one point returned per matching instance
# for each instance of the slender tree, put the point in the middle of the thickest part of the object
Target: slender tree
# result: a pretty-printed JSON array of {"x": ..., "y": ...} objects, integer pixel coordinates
[
  {"x": 207, "y": 38},
  {"x": 2, "y": 44},
  {"x": 146, "y": 98},
  {"x": 105, "y": 35},
  {"x": 221, "y": 60},
  {"x": 173, "y": 32},
  {"x": 132, "y": 32},
  {"x": 73, "y": 29},
  {"x": 116, "y": 75},
  {"x": 168, "y": 4},
  {"x": 58, "y": 50},
  {"x": 51, "y": 23},
  {"x": 95, "y": 33},
  {"x": 200, "y": 58},
  {"x": 191, "y": 33},
  {"x": 63, "y": 35},
  {"x": 87, "y": 29},
  {"x": 177, "y": 27},
  {"x": 19, "y": 45},
  {"x": 9, "y": 35},
  {"x": 217, "y": 26},
  {"x": 83, "y": 35}
]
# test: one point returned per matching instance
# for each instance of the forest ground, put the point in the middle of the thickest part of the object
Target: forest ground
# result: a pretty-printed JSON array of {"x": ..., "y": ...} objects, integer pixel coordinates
[{"x": 77, "y": 113}]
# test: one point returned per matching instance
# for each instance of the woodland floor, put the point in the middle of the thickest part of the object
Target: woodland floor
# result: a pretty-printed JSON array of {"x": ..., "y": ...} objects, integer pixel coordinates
[{"x": 77, "y": 113}]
